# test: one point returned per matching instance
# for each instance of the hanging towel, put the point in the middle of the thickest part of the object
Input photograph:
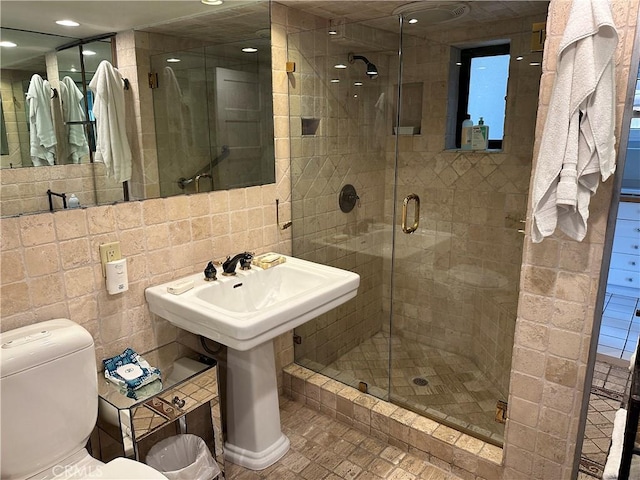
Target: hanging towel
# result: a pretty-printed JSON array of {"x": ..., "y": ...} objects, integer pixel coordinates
[
  {"x": 42, "y": 136},
  {"x": 578, "y": 137},
  {"x": 112, "y": 146},
  {"x": 73, "y": 111},
  {"x": 177, "y": 116}
]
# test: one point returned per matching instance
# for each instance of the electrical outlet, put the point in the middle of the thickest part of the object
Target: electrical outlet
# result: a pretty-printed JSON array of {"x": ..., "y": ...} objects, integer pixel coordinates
[{"x": 108, "y": 253}]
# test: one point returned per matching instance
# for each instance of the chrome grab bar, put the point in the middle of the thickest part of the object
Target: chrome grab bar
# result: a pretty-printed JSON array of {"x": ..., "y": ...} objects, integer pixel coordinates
[
  {"x": 183, "y": 182},
  {"x": 203, "y": 175},
  {"x": 416, "y": 213}
]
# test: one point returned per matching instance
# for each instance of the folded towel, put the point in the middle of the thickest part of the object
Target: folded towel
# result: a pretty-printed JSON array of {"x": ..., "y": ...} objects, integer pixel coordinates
[
  {"x": 130, "y": 372},
  {"x": 612, "y": 467},
  {"x": 578, "y": 138}
]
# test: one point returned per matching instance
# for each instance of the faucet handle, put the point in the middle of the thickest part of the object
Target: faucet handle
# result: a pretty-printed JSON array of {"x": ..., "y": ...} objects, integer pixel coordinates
[
  {"x": 245, "y": 261},
  {"x": 210, "y": 272}
]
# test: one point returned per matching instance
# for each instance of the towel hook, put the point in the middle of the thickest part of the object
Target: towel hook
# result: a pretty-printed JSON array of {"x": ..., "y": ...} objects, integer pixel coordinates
[{"x": 55, "y": 93}]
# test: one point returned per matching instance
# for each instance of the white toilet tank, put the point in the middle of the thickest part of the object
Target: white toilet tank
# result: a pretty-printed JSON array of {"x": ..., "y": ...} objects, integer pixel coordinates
[{"x": 49, "y": 395}]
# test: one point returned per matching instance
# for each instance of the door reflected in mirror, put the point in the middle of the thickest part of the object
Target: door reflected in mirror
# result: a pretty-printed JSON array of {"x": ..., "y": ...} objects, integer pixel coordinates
[{"x": 214, "y": 117}]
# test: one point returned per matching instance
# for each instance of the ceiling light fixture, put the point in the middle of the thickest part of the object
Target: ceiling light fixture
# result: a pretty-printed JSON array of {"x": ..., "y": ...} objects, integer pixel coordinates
[
  {"x": 249, "y": 50},
  {"x": 7, "y": 44},
  {"x": 340, "y": 65},
  {"x": 535, "y": 64},
  {"x": 212, "y": 2},
  {"x": 335, "y": 80},
  {"x": 88, "y": 53},
  {"x": 519, "y": 57},
  {"x": 413, "y": 20},
  {"x": 173, "y": 60},
  {"x": 358, "y": 84},
  {"x": 333, "y": 32},
  {"x": 67, "y": 23}
]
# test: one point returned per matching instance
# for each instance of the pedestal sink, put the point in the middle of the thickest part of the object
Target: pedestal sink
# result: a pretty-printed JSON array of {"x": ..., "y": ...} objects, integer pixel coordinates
[{"x": 246, "y": 312}]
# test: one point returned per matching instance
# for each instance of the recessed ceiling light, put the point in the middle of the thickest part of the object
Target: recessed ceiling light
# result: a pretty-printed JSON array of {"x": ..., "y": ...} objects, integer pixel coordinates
[
  {"x": 335, "y": 80},
  {"x": 458, "y": 63},
  {"x": 355, "y": 96},
  {"x": 534, "y": 64},
  {"x": 173, "y": 60},
  {"x": 212, "y": 2},
  {"x": 358, "y": 84},
  {"x": 249, "y": 50},
  {"x": 340, "y": 65},
  {"x": 413, "y": 20},
  {"x": 519, "y": 57},
  {"x": 88, "y": 52},
  {"x": 67, "y": 23},
  {"x": 333, "y": 32},
  {"x": 7, "y": 44}
]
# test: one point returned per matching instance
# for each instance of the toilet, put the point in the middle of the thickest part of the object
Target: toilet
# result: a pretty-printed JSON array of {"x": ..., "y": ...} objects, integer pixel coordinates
[{"x": 49, "y": 406}]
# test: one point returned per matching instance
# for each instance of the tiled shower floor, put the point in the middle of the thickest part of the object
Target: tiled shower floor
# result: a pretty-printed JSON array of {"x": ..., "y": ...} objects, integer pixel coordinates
[{"x": 456, "y": 389}]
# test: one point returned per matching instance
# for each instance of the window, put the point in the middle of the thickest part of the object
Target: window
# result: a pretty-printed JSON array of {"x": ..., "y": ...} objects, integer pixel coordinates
[{"x": 484, "y": 72}]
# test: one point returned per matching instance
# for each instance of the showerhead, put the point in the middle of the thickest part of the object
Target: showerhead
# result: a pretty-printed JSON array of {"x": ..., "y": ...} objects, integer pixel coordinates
[{"x": 372, "y": 70}]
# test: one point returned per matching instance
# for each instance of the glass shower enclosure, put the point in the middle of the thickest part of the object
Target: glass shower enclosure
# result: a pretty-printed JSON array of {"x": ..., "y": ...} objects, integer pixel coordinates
[{"x": 435, "y": 232}]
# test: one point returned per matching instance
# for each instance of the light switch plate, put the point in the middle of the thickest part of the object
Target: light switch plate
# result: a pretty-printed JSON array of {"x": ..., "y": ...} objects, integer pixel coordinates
[{"x": 108, "y": 253}]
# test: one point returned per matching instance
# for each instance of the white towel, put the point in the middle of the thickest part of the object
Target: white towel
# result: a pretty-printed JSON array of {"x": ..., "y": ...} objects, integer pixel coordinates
[
  {"x": 73, "y": 111},
  {"x": 578, "y": 138},
  {"x": 112, "y": 146},
  {"x": 42, "y": 135},
  {"x": 612, "y": 467}
]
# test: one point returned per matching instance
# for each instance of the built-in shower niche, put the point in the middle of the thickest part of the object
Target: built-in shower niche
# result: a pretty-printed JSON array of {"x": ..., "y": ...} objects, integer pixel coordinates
[
  {"x": 310, "y": 126},
  {"x": 410, "y": 122}
]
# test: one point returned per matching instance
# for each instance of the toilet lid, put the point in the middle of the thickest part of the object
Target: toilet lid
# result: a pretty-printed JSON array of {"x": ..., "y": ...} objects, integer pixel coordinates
[{"x": 125, "y": 469}]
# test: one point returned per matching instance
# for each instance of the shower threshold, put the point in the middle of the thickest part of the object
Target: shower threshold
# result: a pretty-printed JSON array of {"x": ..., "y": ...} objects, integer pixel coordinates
[{"x": 457, "y": 393}]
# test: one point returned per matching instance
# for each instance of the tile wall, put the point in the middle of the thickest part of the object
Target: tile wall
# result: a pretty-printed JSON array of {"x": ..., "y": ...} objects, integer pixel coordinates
[{"x": 50, "y": 261}]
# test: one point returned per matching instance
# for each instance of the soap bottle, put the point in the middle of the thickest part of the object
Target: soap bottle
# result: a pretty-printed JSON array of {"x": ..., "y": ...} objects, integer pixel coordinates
[
  {"x": 73, "y": 201},
  {"x": 480, "y": 136},
  {"x": 465, "y": 134}
]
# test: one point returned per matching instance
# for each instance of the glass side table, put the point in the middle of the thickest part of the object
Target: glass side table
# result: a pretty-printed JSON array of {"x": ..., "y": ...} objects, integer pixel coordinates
[{"x": 188, "y": 402}]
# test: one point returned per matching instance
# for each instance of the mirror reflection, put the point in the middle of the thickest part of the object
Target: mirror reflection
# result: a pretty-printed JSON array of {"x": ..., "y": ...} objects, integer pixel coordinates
[{"x": 207, "y": 124}]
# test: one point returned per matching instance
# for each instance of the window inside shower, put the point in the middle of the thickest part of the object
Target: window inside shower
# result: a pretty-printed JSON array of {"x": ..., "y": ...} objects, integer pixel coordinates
[{"x": 432, "y": 326}]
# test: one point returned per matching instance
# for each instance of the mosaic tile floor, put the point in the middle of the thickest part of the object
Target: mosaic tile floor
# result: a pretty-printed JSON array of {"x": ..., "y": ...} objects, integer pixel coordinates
[
  {"x": 324, "y": 448},
  {"x": 456, "y": 390},
  {"x": 610, "y": 382}
]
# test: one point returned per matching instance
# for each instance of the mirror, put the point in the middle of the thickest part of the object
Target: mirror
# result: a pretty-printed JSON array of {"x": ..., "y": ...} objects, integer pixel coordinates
[{"x": 244, "y": 157}]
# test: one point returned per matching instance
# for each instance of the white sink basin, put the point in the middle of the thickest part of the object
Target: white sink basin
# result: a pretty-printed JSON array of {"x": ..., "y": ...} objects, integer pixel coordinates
[{"x": 255, "y": 305}]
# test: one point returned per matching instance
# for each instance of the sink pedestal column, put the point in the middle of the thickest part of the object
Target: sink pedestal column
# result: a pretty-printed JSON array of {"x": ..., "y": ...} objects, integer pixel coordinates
[{"x": 254, "y": 438}]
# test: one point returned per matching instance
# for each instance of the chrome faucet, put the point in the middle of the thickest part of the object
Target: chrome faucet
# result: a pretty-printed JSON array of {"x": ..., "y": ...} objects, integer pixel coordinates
[{"x": 230, "y": 264}]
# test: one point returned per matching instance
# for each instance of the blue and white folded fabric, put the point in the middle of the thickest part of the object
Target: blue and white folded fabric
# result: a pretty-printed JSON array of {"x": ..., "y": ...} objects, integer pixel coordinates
[{"x": 130, "y": 372}]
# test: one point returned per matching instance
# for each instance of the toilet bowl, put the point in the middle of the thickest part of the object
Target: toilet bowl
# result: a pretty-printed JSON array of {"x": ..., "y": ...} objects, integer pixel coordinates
[{"x": 49, "y": 406}]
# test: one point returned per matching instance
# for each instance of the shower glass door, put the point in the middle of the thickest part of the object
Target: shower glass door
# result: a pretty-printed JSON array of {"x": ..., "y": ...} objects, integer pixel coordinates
[
  {"x": 434, "y": 231},
  {"x": 341, "y": 136},
  {"x": 456, "y": 269}
]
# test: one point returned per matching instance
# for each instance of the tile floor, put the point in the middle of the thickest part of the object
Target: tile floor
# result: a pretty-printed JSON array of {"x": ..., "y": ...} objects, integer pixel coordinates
[
  {"x": 610, "y": 383},
  {"x": 456, "y": 390},
  {"x": 324, "y": 448},
  {"x": 620, "y": 326}
]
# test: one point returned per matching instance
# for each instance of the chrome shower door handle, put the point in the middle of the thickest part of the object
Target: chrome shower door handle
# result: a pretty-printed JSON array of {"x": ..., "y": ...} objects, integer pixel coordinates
[{"x": 416, "y": 213}]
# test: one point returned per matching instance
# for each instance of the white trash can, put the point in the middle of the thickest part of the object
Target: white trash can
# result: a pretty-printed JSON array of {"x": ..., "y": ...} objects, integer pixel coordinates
[{"x": 183, "y": 457}]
